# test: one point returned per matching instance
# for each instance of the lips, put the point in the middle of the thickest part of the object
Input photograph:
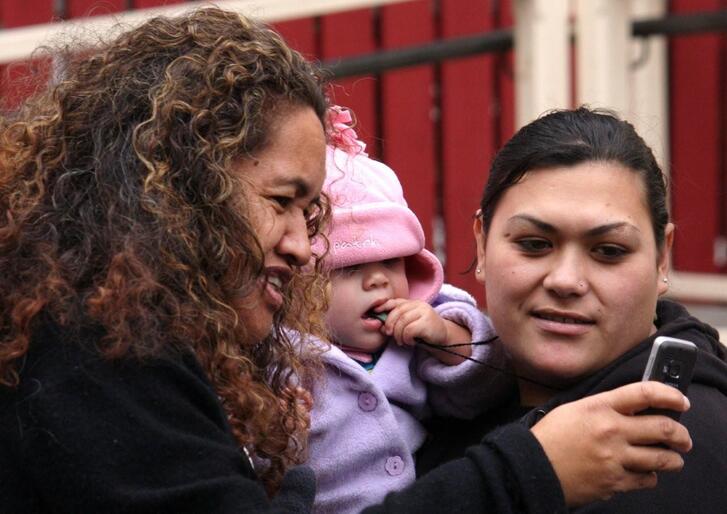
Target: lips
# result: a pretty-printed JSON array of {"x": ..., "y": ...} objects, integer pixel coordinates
[
  {"x": 371, "y": 319},
  {"x": 369, "y": 312},
  {"x": 562, "y": 319},
  {"x": 275, "y": 281},
  {"x": 562, "y": 322}
]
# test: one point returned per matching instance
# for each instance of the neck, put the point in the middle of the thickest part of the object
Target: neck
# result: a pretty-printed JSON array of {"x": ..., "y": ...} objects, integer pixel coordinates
[
  {"x": 532, "y": 395},
  {"x": 357, "y": 354}
]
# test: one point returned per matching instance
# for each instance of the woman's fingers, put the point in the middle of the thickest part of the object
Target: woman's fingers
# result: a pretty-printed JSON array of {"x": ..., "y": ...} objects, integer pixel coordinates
[
  {"x": 633, "y": 398},
  {"x": 653, "y": 430},
  {"x": 647, "y": 459}
]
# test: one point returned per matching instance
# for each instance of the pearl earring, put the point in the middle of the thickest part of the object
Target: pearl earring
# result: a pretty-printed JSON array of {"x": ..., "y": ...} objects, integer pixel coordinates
[
  {"x": 478, "y": 270},
  {"x": 665, "y": 280}
]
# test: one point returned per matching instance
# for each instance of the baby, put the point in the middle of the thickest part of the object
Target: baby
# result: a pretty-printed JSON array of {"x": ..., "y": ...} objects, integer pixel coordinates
[{"x": 387, "y": 304}]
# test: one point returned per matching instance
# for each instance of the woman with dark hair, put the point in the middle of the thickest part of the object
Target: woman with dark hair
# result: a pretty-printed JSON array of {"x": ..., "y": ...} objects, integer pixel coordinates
[
  {"x": 158, "y": 203},
  {"x": 573, "y": 240}
]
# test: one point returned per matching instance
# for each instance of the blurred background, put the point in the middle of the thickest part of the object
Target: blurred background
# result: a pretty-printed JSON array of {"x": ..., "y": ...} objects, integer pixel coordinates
[{"x": 437, "y": 86}]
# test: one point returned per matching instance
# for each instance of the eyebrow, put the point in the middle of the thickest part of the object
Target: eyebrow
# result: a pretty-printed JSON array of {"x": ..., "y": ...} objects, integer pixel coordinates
[{"x": 593, "y": 232}]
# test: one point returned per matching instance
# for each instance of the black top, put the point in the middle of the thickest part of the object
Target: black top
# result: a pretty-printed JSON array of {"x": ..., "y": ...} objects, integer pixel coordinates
[
  {"x": 698, "y": 488},
  {"x": 83, "y": 434}
]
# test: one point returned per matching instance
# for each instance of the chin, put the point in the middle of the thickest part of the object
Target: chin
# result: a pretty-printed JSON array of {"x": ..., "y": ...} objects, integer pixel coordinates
[
  {"x": 371, "y": 347},
  {"x": 257, "y": 330},
  {"x": 558, "y": 373}
]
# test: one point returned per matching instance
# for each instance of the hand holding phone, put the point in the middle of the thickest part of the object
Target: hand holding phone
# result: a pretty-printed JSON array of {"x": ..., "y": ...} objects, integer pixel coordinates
[{"x": 671, "y": 362}]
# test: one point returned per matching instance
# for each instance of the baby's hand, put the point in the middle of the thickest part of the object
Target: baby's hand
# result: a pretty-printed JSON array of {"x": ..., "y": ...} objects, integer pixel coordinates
[{"x": 410, "y": 319}]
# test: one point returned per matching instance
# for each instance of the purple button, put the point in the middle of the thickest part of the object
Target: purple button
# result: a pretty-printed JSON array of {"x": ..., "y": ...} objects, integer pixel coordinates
[
  {"x": 394, "y": 466},
  {"x": 367, "y": 401}
]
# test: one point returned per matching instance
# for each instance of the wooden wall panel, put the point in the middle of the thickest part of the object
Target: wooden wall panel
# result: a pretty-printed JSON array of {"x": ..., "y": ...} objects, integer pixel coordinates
[
  {"x": 347, "y": 34},
  {"x": 505, "y": 78},
  {"x": 22, "y": 79},
  {"x": 468, "y": 136},
  {"x": 301, "y": 35},
  {"x": 408, "y": 110},
  {"x": 696, "y": 142},
  {"x": 141, "y": 4},
  {"x": 82, "y": 8},
  {"x": 18, "y": 13}
]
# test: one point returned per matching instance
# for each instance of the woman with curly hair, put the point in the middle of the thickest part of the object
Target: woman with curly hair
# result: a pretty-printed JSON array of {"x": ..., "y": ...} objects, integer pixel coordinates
[{"x": 158, "y": 203}]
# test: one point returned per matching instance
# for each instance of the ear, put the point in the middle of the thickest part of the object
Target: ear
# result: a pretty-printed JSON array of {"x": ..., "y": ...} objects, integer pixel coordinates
[
  {"x": 662, "y": 265},
  {"x": 480, "y": 241}
]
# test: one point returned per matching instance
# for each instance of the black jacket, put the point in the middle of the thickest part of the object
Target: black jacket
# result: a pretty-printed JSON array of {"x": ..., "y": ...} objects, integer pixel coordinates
[
  {"x": 85, "y": 435},
  {"x": 701, "y": 486},
  {"x": 82, "y": 435}
]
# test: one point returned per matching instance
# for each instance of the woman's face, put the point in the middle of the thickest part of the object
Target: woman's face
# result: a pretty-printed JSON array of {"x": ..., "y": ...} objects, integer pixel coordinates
[
  {"x": 572, "y": 271},
  {"x": 282, "y": 184}
]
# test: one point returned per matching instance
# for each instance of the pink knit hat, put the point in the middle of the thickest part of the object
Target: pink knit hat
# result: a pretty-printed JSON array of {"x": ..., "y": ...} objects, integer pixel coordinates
[{"x": 371, "y": 220}]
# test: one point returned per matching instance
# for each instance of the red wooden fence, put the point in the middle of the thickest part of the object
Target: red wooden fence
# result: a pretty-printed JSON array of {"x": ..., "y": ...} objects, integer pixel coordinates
[
  {"x": 439, "y": 126},
  {"x": 698, "y": 121}
]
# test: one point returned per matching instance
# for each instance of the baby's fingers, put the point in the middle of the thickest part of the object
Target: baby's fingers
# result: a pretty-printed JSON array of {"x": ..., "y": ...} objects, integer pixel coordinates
[{"x": 406, "y": 327}]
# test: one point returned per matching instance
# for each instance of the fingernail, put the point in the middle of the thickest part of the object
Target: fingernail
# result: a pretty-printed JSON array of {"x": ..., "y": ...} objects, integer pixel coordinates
[{"x": 687, "y": 404}]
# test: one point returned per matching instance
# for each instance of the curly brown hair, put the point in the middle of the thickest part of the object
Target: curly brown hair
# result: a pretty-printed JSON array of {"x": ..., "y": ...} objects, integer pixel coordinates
[{"x": 120, "y": 209}]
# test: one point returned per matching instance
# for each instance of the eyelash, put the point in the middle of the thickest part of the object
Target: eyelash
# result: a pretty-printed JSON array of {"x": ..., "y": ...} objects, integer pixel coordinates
[
  {"x": 528, "y": 245},
  {"x": 603, "y": 252},
  {"x": 614, "y": 252},
  {"x": 282, "y": 201}
]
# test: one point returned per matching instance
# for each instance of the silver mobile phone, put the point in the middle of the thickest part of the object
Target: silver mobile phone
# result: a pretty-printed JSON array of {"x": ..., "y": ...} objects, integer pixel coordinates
[{"x": 671, "y": 361}]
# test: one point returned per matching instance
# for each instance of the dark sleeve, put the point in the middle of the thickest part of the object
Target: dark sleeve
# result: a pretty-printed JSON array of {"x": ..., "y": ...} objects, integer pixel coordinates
[
  {"x": 509, "y": 472},
  {"x": 90, "y": 435}
]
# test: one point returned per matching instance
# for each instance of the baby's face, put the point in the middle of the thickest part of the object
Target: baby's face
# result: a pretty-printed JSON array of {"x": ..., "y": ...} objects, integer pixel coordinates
[{"x": 355, "y": 291}]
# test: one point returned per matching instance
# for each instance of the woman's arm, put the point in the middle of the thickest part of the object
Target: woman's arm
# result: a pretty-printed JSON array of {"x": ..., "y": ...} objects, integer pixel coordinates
[{"x": 580, "y": 452}]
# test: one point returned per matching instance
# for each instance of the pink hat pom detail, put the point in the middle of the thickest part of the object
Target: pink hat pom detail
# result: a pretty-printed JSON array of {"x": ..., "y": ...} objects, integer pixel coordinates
[{"x": 341, "y": 133}]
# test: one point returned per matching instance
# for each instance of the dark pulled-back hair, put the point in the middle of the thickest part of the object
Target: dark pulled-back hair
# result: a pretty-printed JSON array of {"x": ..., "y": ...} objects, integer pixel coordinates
[
  {"x": 120, "y": 208},
  {"x": 571, "y": 137}
]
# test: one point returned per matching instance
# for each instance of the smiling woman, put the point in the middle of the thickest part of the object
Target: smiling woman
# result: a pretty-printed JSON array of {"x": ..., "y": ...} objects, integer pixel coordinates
[
  {"x": 573, "y": 241},
  {"x": 571, "y": 293},
  {"x": 157, "y": 203}
]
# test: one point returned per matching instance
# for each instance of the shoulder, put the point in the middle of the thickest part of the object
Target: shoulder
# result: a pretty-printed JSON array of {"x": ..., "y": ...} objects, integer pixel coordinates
[{"x": 84, "y": 429}]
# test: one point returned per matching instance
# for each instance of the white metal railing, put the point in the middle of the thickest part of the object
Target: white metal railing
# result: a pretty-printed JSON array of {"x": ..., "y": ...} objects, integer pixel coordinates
[{"x": 19, "y": 43}]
